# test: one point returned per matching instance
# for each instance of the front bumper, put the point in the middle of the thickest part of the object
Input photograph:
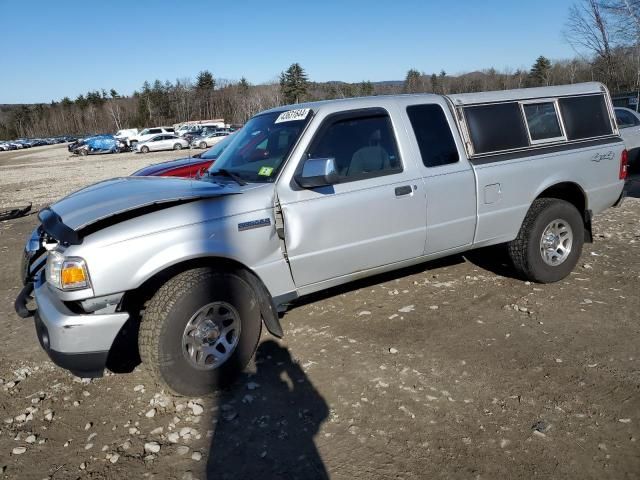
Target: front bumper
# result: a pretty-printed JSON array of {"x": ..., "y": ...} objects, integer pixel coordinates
[{"x": 77, "y": 342}]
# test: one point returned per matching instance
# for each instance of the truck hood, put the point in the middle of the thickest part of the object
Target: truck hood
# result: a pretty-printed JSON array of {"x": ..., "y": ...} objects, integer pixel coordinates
[{"x": 125, "y": 195}]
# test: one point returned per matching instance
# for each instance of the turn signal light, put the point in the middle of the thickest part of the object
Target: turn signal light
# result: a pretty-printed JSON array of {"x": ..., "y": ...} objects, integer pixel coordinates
[{"x": 73, "y": 275}]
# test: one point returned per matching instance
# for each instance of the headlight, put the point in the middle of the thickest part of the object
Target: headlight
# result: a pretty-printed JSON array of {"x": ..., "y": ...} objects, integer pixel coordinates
[{"x": 66, "y": 273}]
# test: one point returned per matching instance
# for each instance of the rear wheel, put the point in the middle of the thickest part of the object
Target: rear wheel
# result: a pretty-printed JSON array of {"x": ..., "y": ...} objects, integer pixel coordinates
[
  {"x": 177, "y": 146},
  {"x": 203, "y": 145},
  {"x": 549, "y": 242},
  {"x": 200, "y": 330},
  {"x": 144, "y": 149}
]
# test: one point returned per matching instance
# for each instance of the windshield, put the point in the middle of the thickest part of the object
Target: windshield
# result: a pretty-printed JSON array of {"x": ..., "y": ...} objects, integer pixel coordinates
[
  {"x": 257, "y": 152},
  {"x": 215, "y": 151}
]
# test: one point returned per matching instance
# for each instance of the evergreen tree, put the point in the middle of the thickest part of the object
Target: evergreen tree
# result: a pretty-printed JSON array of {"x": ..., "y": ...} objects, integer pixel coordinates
[
  {"x": 243, "y": 86},
  {"x": 435, "y": 84},
  {"x": 366, "y": 89},
  {"x": 205, "y": 81},
  {"x": 81, "y": 101},
  {"x": 412, "y": 81},
  {"x": 539, "y": 73},
  {"x": 294, "y": 84}
]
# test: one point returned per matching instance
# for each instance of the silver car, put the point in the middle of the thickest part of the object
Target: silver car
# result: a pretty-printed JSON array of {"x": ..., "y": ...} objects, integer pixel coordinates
[{"x": 162, "y": 142}]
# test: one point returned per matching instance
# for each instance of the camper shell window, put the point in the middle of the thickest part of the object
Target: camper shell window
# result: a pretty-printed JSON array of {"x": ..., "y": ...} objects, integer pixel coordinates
[{"x": 495, "y": 128}]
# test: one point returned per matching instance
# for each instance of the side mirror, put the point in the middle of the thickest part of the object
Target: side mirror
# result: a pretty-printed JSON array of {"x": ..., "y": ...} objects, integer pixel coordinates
[{"x": 317, "y": 172}]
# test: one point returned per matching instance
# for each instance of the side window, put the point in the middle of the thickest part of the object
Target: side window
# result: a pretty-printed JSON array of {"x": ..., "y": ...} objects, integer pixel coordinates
[
  {"x": 496, "y": 127},
  {"x": 362, "y": 146},
  {"x": 585, "y": 117},
  {"x": 626, "y": 119},
  {"x": 542, "y": 121},
  {"x": 437, "y": 146},
  {"x": 155, "y": 130}
]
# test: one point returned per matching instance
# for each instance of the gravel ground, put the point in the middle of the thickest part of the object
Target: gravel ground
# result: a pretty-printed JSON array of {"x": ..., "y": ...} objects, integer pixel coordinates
[
  {"x": 453, "y": 369},
  {"x": 44, "y": 174}
]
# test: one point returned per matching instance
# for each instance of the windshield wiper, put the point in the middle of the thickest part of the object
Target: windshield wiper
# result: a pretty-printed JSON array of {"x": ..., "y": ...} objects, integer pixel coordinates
[{"x": 227, "y": 173}]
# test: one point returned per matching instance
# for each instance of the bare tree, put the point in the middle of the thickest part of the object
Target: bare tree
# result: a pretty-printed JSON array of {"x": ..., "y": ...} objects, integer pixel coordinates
[
  {"x": 627, "y": 23},
  {"x": 588, "y": 29}
]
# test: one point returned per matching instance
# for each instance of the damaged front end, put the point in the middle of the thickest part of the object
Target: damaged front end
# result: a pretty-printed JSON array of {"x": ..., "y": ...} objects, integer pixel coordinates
[{"x": 77, "y": 325}]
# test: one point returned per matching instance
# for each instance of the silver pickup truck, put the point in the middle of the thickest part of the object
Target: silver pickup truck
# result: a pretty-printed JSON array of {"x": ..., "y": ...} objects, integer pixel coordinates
[{"x": 309, "y": 197}]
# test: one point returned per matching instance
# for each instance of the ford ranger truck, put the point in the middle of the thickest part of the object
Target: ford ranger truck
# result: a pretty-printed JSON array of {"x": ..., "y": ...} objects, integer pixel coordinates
[{"x": 306, "y": 197}]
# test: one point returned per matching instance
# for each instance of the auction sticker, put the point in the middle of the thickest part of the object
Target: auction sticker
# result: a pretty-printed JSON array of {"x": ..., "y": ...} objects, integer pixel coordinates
[
  {"x": 265, "y": 171},
  {"x": 293, "y": 115}
]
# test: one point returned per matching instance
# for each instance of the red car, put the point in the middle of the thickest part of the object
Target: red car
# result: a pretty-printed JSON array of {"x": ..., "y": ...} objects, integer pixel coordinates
[{"x": 185, "y": 167}]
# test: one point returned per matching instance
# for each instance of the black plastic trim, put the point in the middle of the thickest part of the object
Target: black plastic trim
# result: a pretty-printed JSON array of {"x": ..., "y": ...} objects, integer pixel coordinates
[
  {"x": 531, "y": 152},
  {"x": 53, "y": 226},
  {"x": 22, "y": 299}
]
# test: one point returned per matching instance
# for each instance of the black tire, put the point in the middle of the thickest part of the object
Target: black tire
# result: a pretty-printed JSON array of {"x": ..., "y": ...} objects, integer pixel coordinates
[
  {"x": 525, "y": 249},
  {"x": 203, "y": 145},
  {"x": 167, "y": 314},
  {"x": 177, "y": 146},
  {"x": 144, "y": 149}
]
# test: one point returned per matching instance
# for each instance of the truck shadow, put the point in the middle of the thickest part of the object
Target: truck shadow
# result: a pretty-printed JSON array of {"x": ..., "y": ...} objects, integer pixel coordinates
[
  {"x": 264, "y": 426},
  {"x": 371, "y": 281}
]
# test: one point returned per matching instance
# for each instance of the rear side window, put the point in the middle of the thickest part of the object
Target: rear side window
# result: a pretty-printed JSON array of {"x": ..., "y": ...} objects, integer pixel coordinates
[
  {"x": 155, "y": 130},
  {"x": 585, "y": 117},
  {"x": 436, "y": 143},
  {"x": 362, "y": 146},
  {"x": 496, "y": 127},
  {"x": 542, "y": 121}
]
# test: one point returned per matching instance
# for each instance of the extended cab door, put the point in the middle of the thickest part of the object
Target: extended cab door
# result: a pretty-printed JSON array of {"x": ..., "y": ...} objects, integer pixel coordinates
[
  {"x": 374, "y": 215},
  {"x": 449, "y": 178}
]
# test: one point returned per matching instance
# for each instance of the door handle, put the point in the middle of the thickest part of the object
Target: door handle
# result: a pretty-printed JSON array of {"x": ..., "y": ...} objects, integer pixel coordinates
[{"x": 404, "y": 190}]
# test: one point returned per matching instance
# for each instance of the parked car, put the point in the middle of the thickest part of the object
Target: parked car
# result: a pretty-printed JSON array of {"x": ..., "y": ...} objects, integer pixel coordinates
[
  {"x": 191, "y": 127},
  {"x": 126, "y": 135},
  {"x": 308, "y": 197},
  {"x": 97, "y": 144},
  {"x": 629, "y": 125},
  {"x": 190, "y": 167},
  {"x": 161, "y": 142},
  {"x": 148, "y": 133},
  {"x": 209, "y": 139}
]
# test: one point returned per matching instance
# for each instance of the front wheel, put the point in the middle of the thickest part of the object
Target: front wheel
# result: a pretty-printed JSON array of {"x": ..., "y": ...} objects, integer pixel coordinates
[
  {"x": 203, "y": 144},
  {"x": 177, "y": 146},
  {"x": 200, "y": 330},
  {"x": 549, "y": 242}
]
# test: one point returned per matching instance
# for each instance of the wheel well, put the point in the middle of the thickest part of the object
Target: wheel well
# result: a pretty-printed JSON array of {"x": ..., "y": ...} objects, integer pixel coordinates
[
  {"x": 145, "y": 291},
  {"x": 573, "y": 194},
  {"x": 569, "y": 192},
  {"x": 125, "y": 347}
]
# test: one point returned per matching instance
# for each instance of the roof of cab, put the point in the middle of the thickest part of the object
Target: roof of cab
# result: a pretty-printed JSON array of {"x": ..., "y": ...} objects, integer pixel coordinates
[
  {"x": 457, "y": 99},
  {"x": 352, "y": 103}
]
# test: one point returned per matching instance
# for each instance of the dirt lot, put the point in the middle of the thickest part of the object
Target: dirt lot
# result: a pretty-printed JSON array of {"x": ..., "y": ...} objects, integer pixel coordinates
[{"x": 454, "y": 369}]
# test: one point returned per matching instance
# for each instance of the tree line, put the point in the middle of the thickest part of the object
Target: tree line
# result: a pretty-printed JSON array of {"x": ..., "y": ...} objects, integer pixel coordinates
[{"x": 604, "y": 33}]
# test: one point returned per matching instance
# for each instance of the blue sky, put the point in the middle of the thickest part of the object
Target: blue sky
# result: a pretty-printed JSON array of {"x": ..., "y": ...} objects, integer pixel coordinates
[{"x": 57, "y": 48}]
